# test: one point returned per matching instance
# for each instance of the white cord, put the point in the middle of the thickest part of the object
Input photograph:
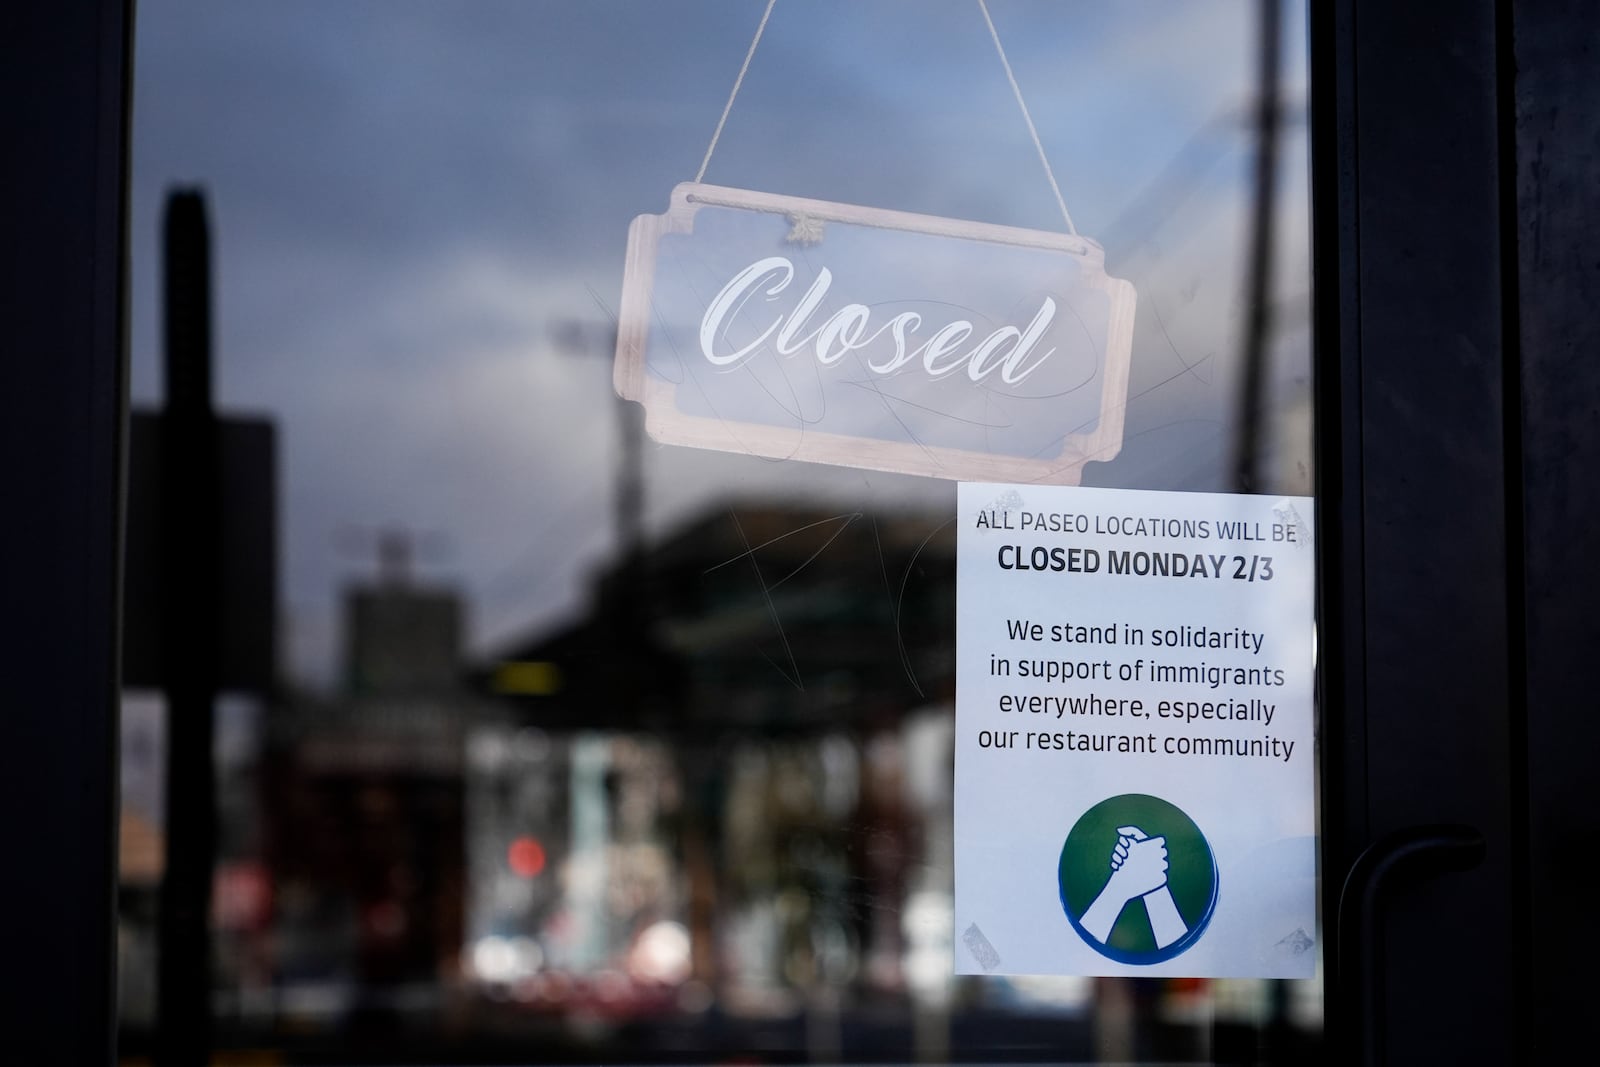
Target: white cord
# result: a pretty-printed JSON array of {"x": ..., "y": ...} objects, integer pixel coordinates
[
  {"x": 1004, "y": 62},
  {"x": 748, "y": 56},
  {"x": 1012, "y": 78}
]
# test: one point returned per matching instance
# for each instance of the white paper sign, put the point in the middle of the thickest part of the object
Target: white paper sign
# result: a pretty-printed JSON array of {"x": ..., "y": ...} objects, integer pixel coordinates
[
  {"x": 1135, "y": 757},
  {"x": 801, "y": 329}
]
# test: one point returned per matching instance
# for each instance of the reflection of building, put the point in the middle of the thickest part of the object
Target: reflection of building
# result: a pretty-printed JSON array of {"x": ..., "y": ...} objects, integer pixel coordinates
[
  {"x": 141, "y": 855},
  {"x": 401, "y": 639},
  {"x": 732, "y": 717},
  {"x": 363, "y": 802},
  {"x": 775, "y": 618}
]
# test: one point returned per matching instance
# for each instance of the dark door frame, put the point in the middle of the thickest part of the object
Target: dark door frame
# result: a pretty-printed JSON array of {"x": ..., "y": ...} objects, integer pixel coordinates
[
  {"x": 63, "y": 134},
  {"x": 1414, "y": 506},
  {"x": 1456, "y": 221}
]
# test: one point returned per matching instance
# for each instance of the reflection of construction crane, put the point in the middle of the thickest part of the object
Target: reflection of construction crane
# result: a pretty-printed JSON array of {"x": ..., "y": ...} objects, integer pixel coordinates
[
  {"x": 581, "y": 337},
  {"x": 625, "y": 607}
]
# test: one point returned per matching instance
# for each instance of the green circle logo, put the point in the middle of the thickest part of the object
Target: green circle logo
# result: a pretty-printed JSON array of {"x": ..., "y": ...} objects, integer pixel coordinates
[{"x": 1138, "y": 880}]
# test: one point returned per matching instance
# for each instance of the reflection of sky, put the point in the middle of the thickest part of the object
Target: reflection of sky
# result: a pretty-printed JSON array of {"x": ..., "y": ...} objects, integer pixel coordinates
[{"x": 409, "y": 197}]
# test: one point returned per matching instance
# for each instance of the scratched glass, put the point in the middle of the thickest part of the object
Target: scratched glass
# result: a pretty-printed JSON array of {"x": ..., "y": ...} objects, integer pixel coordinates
[{"x": 593, "y": 743}]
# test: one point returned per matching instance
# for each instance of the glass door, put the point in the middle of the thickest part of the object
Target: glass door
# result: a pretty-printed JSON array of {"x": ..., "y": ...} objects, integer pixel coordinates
[{"x": 604, "y": 727}]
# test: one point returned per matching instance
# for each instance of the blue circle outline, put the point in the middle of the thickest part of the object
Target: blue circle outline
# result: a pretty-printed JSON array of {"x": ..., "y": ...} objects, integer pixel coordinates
[{"x": 1160, "y": 955}]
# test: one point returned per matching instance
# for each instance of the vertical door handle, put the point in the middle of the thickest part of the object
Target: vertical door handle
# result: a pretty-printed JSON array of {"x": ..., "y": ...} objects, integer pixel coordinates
[{"x": 1403, "y": 857}]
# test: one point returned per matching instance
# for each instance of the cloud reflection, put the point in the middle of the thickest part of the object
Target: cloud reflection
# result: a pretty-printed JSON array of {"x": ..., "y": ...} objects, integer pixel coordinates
[{"x": 410, "y": 197}]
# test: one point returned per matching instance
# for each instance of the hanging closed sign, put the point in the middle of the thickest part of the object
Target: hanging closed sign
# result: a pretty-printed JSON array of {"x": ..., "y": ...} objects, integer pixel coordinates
[
  {"x": 792, "y": 328},
  {"x": 799, "y": 329}
]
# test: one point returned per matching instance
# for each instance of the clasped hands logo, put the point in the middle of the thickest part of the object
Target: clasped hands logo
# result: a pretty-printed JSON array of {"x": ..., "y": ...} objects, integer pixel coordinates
[{"x": 1138, "y": 880}]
